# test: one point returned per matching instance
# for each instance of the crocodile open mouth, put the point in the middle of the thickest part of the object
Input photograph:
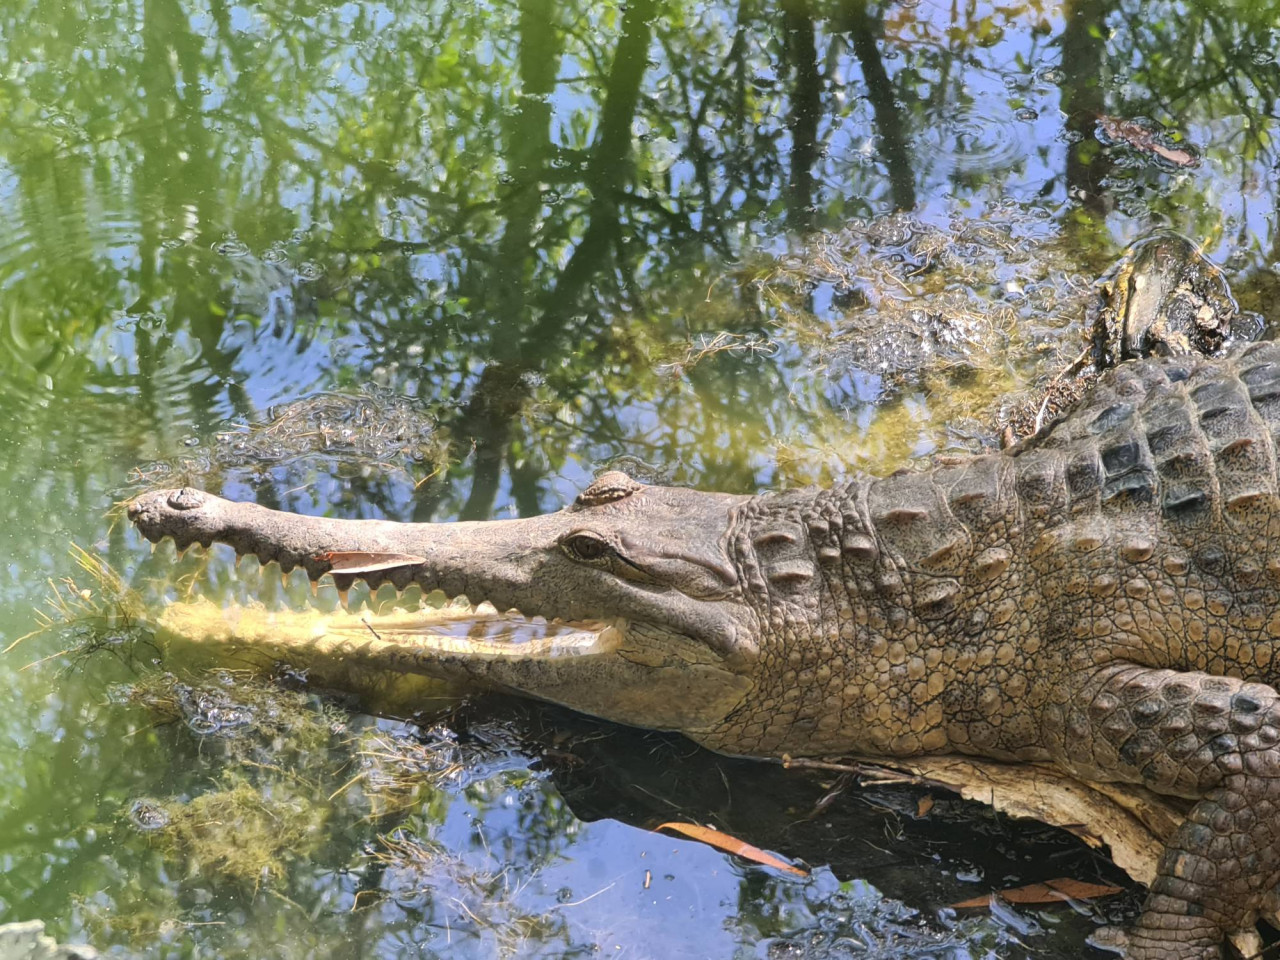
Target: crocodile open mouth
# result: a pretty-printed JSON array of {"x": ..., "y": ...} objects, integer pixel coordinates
[{"x": 428, "y": 624}]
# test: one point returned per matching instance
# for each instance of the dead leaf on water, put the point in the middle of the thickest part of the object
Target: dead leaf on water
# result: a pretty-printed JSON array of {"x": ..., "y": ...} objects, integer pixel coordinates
[
  {"x": 924, "y": 805},
  {"x": 739, "y": 848},
  {"x": 1140, "y": 136},
  {"x": 1050, "y": 891}
]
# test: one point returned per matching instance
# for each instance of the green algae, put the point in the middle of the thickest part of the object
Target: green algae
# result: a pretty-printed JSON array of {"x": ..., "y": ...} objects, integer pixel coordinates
[
  {"x": 241, "y": 832},
  {"x": 254, "y": 717}
]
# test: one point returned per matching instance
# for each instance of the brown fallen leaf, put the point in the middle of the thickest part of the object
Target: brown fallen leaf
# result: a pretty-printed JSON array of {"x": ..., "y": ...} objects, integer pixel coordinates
[
  {"x": 364, "y": 561},
  {"x": 1141, "y": 137},
  {"x": 1050, "y": 891},
  {"x": 924, "y": 805},
  {"x": 722, "y": 841}
]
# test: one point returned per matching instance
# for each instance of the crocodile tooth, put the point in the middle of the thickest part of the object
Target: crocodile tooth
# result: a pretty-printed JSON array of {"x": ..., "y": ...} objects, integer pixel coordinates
[
  {"x": 315, "y": 588},
  {"x": 284, "y": 580},
  {"x": 486, "y": 609},
  {"x": 513, "y": 612},
  {"x": 344, "y": 598},
  {"x": 153, "y": 546},
  {"x": 540, "y": 620},
  {"x": 460, "y": 602}
]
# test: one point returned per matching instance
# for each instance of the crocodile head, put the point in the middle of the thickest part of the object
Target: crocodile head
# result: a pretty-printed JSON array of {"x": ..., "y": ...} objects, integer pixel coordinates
[{"x": 648, "y": 621}]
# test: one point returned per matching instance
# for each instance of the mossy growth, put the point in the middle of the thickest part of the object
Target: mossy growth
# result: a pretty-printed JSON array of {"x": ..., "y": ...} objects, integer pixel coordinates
[
  {"x": 399, "y": 774},
  {"x": 104, "y": 615},
  {"x": 255, "y": 717},
  {"x": 240, "y": 832},
  {"x": 270, "y": 802}
]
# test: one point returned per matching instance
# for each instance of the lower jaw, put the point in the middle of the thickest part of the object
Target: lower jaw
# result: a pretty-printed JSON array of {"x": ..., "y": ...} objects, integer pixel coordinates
[{"x": 384, "y": 658}]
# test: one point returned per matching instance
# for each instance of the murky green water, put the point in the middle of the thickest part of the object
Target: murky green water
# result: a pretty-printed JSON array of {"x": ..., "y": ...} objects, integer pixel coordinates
[{"x": 541, "y": 239}]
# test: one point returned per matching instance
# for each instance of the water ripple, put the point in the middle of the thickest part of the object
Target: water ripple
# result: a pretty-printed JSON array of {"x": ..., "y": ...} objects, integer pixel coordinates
[{"x": 973, "y": 141}]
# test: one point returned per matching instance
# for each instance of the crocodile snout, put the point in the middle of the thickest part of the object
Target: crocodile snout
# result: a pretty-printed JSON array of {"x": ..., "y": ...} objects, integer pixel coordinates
[
  {"x": 157, "y": 513},
  {"x": 186, "y": 499}
]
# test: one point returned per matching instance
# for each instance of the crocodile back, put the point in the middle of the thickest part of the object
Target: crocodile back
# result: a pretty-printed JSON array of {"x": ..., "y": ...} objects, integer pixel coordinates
[
  {"x": 947, "y": 609},
  {"x": 1167, "y": 471}
]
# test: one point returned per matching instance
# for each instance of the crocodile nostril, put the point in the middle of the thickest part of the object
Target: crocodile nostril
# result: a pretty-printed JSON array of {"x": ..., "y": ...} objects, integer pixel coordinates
[
  {"x": 186, "y": 499},
  {"x": 134, "y": 510}
]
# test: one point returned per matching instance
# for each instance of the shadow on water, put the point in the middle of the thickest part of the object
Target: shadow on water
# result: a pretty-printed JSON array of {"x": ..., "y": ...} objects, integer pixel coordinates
[{"x": 739, "y": 245}]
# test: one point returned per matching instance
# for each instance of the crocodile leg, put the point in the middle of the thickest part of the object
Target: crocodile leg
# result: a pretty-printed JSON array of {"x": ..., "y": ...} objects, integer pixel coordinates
[{"x": 1198, "y": 736}]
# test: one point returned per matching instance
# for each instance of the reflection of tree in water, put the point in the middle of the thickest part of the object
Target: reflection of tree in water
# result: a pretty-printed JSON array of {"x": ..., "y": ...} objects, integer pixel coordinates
[{"x": 496, "y": 235}]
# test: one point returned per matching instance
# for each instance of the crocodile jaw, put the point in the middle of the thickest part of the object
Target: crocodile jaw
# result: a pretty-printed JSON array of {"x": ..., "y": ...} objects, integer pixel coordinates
[{"x": 605, "y": 647}]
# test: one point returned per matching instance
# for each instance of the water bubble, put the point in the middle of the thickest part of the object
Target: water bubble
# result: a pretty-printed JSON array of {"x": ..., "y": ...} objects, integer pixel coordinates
[
  {"x": 1052, "y": 75},
  {"x": 148, "y": 815},
  {"x": 201, "y": 725},
  {"x": 1247, "y": 326},
  {"x": 231, "y": 246},
  {"x": 551, "y": 197},
  {"x": 276, "y": 254},
  {"x": 1263, "y": 57},
  {"x": 975, "y": 140},
  {"x": 308, "y": 271},
  {"x": 785, "y": 950},
  {"x": 846, "y": 948},
  {"x": 1027, "y": 113}
]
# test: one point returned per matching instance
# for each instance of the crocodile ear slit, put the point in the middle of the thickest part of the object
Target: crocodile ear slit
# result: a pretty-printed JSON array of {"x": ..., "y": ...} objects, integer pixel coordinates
[{"x": 608, "y": 487}]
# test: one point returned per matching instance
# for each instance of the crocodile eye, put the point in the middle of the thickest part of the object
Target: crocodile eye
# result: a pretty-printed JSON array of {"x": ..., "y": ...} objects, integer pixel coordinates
[{"x": 586, "y": 547}]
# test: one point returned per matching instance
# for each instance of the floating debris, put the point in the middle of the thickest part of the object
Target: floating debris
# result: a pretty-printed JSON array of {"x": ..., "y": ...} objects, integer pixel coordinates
[
  {"x": 1145, "y": 136},
  {"x": 730, "y": 844},
  {"x": 1061, "y": 890},
  {"x": 370, "y": 432}
]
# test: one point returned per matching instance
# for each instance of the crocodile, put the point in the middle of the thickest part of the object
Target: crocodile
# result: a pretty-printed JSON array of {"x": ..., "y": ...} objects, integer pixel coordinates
[{"x": 1103, "y": 597}]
